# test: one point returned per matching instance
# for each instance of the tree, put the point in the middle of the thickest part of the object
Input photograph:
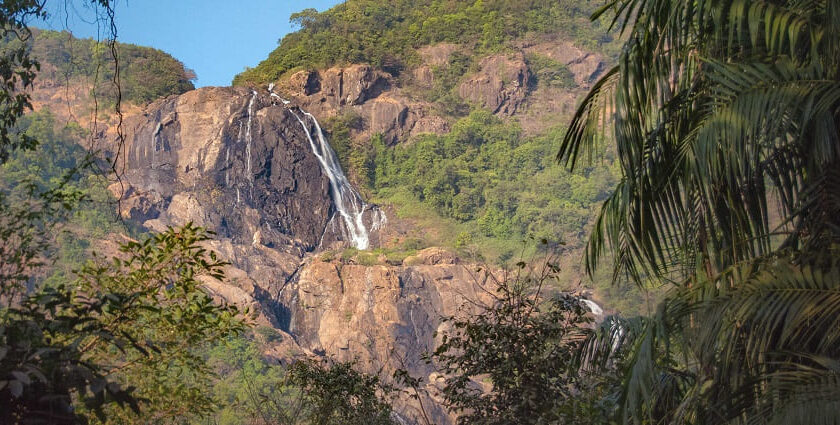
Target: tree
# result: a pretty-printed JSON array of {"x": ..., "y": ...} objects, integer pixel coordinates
[
  {"x": 725, "y": 116},
  {"x": 336, "y": 393},
  {"x": 117, "y": 334},
  {"x": 514, "y": 360}
]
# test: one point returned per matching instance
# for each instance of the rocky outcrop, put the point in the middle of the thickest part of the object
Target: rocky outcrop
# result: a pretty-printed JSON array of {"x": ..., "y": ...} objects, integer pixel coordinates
[
  {"x": 500, "y": 85},
  {"x": 368, "y": 93},
  {"x": 236, "y": 163},
  {"x": 585, "y": 66},
  {"x": 383, "y": 317},
  {"x": 230, "y": 160},
  {"x": 434, "y": 56},
  {"x": 336, "y": 87}
]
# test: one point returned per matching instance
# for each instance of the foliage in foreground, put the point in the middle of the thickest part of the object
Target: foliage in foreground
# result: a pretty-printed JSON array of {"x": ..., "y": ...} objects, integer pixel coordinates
[
  {"x": 524, "y": 345},
  {"x": 120, "y": 333},
  {"x": 725, "y": 115},
  {"x": 308, "y": 391}
]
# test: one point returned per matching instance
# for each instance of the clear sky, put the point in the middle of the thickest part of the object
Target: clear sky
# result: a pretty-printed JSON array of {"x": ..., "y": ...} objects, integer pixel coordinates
[{"x": 215, "y": 38}]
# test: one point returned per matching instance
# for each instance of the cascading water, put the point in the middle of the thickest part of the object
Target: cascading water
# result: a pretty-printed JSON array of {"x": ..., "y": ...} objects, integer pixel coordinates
[
  {"x": 593, "y": 306},
  {"x": 248, "y": 136},
  {"x": 347, "y": 201}
]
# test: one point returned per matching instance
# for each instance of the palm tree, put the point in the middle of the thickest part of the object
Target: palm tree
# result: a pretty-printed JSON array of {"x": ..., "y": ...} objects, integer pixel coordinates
[{"x": 726, "y": 119}]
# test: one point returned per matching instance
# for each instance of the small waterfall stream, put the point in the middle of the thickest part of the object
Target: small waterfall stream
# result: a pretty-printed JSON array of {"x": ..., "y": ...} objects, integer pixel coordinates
[
  {"x": 248, "y": 136},
  {"x": 593, "y": 306}
]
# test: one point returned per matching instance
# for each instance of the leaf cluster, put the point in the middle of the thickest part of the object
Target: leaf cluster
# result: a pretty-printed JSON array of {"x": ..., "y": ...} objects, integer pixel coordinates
[{"x": 725, "y": 116}]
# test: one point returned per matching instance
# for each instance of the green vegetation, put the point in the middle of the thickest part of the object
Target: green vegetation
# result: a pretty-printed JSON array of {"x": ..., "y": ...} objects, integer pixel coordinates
[
  {"x": 443, "y": 94},
  {"x": 59, "y": 161},
  {"x": 729, "y": 146},
  {"x": 493, "y": 182},
  {"x": 248, "y": 387},
  {"x": 483, "y": 190},
  {"x": 88, "y": 338},
  {"x": 524, "y": 343},
  {"x": 550, "y": 72},
  {"x": 337, "y": 394},
  {"x": 387, "y": 34},
  {"x": 146, "y": 74},
  {"x": 252, "y": 390}
]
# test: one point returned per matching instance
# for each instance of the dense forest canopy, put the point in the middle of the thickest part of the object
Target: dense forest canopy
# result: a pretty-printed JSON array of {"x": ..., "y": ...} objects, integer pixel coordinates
[{"x": 387, "y": 34}]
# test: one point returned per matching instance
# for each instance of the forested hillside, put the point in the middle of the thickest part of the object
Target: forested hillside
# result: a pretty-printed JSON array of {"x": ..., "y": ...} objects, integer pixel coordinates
[
  {"x": 388, "y": 34},
  {"x": 483, "y": 180},
  {"x": 146, "y": 73},
  {"x": 197, "y": 256}
]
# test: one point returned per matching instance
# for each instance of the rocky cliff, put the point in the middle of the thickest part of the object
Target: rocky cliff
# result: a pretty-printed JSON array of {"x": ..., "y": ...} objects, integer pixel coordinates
[
  {"x": 241, "y": 164},
  {"x": 246, "y": 164},
  {"x": 396, "y": 108},
  {"x": 236, "y": 162}
]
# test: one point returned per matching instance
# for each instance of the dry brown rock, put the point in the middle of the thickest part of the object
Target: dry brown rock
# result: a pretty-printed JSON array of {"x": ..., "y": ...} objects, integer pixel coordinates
[
  {"x": 371, "y": 94},
  {"x": 423, "y": 76},
  {"x": 432, "y": 257},
  {"x": 438, "y": 54},
  {"x": 500, "y": 85},
  {"x": 135, "y": 205},
  {"x": 384, "y": 317},
  {"x": 586, "y": 66}
]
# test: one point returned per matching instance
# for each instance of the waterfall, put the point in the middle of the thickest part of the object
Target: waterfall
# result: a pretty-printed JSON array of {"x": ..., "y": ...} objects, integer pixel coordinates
[
  {"x": 593, "y": 306},
  {"x": 248, "y": 135},
  {"x": 347, "y": 200}
]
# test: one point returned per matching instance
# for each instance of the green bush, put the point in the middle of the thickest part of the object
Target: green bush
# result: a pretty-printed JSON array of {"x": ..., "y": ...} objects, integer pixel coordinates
[
  {"x": 367, "y": 258},
  {"x": 268, "y": 334},
  {"x": 550, "y": 72},
  {"x": 328, "y": 256},
  {"x": 348, "y": 254}
]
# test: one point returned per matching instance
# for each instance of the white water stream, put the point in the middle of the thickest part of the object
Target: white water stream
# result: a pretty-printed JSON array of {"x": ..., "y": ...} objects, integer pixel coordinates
[
  {"x": 593, "y": 306},
  {"x": 348, "y": 202},
  {"x": 248, "y": 136}
]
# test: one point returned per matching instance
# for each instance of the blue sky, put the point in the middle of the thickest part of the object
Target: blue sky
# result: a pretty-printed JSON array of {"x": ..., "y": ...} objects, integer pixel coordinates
[{"x": 215, "y": 38}]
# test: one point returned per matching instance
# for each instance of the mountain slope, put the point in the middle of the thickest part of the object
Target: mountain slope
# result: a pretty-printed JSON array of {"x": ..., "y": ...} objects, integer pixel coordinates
[
  {"x": 388, "y": 34},
  {"x": 454, "y": 131}
]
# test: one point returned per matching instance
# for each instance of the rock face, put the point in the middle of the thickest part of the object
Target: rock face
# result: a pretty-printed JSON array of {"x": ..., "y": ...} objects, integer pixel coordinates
[
  {"x": 371, "y": 94},
  {"x": 501, "y": 85},
  {"x": 242, "y": 166},
  {"x": 234, "y": 162},
  {"x": 585, "y": 66},
  {"x": 384, "y": 317},
  {"x": 230, "y": 160}
]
